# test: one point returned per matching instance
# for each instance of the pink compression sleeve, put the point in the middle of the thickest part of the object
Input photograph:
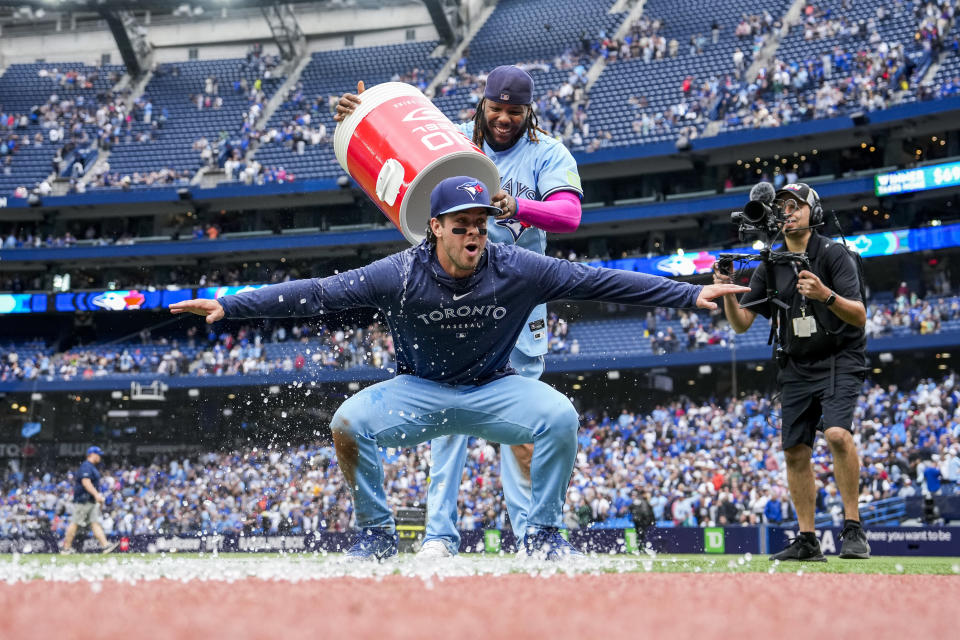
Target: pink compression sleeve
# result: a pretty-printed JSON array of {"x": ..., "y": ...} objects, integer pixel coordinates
[{"x": 559, "y": 213}]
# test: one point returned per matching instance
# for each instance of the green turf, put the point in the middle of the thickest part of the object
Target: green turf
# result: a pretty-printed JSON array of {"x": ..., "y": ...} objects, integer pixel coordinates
[{"x": 661, "y": 563}]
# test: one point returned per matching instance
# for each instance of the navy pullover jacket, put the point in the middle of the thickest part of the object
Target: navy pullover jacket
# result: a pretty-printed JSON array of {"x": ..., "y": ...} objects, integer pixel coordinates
[{"x": 458, "y": 331}]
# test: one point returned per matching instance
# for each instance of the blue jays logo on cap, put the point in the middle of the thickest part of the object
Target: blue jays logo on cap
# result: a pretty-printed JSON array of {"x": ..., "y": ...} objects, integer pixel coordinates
[
  {"x": 474, "y": 188},
  {"x": 459, "y": 193}
]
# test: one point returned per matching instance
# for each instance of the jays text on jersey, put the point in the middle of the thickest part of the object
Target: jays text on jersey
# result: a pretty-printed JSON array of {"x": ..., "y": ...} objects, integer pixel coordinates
[
  {"x": 458, "y": 331},
  {"x": 533, "y": 171}
]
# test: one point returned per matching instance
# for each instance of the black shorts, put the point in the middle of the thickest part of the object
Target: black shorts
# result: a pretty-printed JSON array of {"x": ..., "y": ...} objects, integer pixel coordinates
[{"x": 808, "y": 407}]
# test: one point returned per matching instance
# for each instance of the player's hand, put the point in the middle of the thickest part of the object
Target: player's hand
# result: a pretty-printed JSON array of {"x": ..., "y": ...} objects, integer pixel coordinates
[
  {"x": 100, "y": 499},
  {"x": 810, "y": 286},
  {"x": 719, "y": 277},
  {"x": 204, "y": 307},
  {"x": 714, "y": 291},
  {"x": 348, "y": 103},
  {"x": 506, "y": 203}
]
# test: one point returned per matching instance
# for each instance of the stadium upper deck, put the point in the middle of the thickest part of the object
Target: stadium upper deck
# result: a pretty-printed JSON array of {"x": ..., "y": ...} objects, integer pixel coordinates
[{"x": 668, "y": 74}]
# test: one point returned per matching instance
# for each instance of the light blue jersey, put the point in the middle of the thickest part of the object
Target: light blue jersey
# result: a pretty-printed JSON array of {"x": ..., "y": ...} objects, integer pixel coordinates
[{"x": 530, "y": 170}]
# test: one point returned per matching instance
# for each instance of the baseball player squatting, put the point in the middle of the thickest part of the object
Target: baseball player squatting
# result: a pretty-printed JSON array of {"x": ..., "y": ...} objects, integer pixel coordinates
[{"x": 455, "y": 306}]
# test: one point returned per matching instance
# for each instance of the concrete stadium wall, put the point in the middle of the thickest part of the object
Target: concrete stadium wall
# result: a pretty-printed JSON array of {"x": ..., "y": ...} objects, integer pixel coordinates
[{"x": 227, "y": 37}]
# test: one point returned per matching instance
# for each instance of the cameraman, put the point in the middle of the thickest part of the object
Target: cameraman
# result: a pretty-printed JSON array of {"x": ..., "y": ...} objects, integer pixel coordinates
[{"x": 822, "y": 362}]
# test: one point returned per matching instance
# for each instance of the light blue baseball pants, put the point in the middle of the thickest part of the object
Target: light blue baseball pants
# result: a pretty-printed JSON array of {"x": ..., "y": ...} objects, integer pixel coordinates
[
  {"x": 407, "y": 410},
  {"x": 447, "y": 458}
]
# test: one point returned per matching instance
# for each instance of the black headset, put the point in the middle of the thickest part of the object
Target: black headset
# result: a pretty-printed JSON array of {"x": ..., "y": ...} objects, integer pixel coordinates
[{"x": 816, "y": 211}]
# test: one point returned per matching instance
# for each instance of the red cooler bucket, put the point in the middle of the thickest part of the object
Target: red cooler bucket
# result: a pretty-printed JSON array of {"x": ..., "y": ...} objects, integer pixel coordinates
[{"x": 398, "y": 147}]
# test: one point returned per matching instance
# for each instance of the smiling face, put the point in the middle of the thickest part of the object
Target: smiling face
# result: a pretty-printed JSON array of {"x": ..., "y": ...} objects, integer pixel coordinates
[
  {"x": 504, "y": 122},
  {"x": 459, "y": 253},
  {"x": 798, "y": 217}
]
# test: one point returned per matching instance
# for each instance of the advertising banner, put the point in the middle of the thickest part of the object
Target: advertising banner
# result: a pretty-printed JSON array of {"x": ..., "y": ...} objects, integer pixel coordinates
[{"x": 885, "y": 541}]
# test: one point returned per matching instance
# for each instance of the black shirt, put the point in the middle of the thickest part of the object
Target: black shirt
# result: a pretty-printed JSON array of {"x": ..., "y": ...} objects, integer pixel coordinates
[{"x": 835, "y": 344}]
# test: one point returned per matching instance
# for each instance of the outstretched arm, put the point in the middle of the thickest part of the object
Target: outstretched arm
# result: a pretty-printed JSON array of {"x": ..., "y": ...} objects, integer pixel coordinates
[
  {"x": 369, "y": 286},
  {"x": 212, "y": 309},
  {"x": 561, "y": 279}
]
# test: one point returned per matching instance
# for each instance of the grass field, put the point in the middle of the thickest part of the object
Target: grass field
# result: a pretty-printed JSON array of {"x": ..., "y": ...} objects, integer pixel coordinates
[{"x": 300, "y": 566}]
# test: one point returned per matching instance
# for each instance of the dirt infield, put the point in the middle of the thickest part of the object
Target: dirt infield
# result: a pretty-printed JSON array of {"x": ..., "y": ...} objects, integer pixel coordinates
[{"x": 701, "y": 606}]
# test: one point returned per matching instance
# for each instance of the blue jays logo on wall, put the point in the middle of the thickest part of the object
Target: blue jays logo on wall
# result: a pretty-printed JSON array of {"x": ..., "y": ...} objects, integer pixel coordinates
[{"x": 473, "y": 188}]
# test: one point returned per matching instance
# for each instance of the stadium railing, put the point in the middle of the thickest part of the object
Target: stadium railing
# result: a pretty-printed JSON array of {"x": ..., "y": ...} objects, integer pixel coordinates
[{"x": 888, "y": 512}]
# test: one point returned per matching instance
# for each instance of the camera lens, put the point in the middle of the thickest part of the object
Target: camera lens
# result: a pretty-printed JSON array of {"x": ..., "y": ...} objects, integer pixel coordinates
[{"x": 756, "y": 211}]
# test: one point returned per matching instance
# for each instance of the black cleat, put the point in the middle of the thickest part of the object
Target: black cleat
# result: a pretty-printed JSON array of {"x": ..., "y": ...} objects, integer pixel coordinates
[
  {"x": 855, "y": 545},
  {"x": 801, "y": 549}
]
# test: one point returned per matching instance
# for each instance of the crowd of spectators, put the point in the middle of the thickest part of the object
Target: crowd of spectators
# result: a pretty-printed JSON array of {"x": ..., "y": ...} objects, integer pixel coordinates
[
  {"x": 698, "y": 94},
  {"x": 863, "y": 69},
  {"x": 304, "y": 128},
  {"x": 668, "y": 330},
  {"x": 696, "y": 331},
  {"x": 715, "y": 462},
  {"x": 557, "y": 341},
  {"x": 213, "y": 354},
  {"x": 104, "y": 177},
  {"x": 72, "y": 122},
  {"x": 171, "y": 275},
  {"x": 923, "y": 316}
]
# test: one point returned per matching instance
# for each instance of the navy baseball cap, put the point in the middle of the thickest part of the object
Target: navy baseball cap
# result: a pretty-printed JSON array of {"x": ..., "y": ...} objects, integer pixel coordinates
[
  {"x": 459, "y": 193},
  {"x": 95, "y": 449},
  {"x": 510, "y": 85}
]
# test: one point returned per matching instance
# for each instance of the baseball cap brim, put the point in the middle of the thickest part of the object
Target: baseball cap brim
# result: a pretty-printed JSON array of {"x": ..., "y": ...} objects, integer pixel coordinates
[
  {"x": 805, "y": 196},
  {"x": 492, "y": 210}
]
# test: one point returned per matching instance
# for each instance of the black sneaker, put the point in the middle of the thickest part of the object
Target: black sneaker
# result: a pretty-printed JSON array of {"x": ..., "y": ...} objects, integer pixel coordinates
[
  {"x": 801, "y": 549},
  {"x": 855, "y": 545}
]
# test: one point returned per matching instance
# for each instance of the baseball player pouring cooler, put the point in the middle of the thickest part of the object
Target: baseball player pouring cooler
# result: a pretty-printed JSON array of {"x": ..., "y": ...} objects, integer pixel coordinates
[
  {"x": 456, "y": 306},
  {"x": 539, "y": 192}
]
